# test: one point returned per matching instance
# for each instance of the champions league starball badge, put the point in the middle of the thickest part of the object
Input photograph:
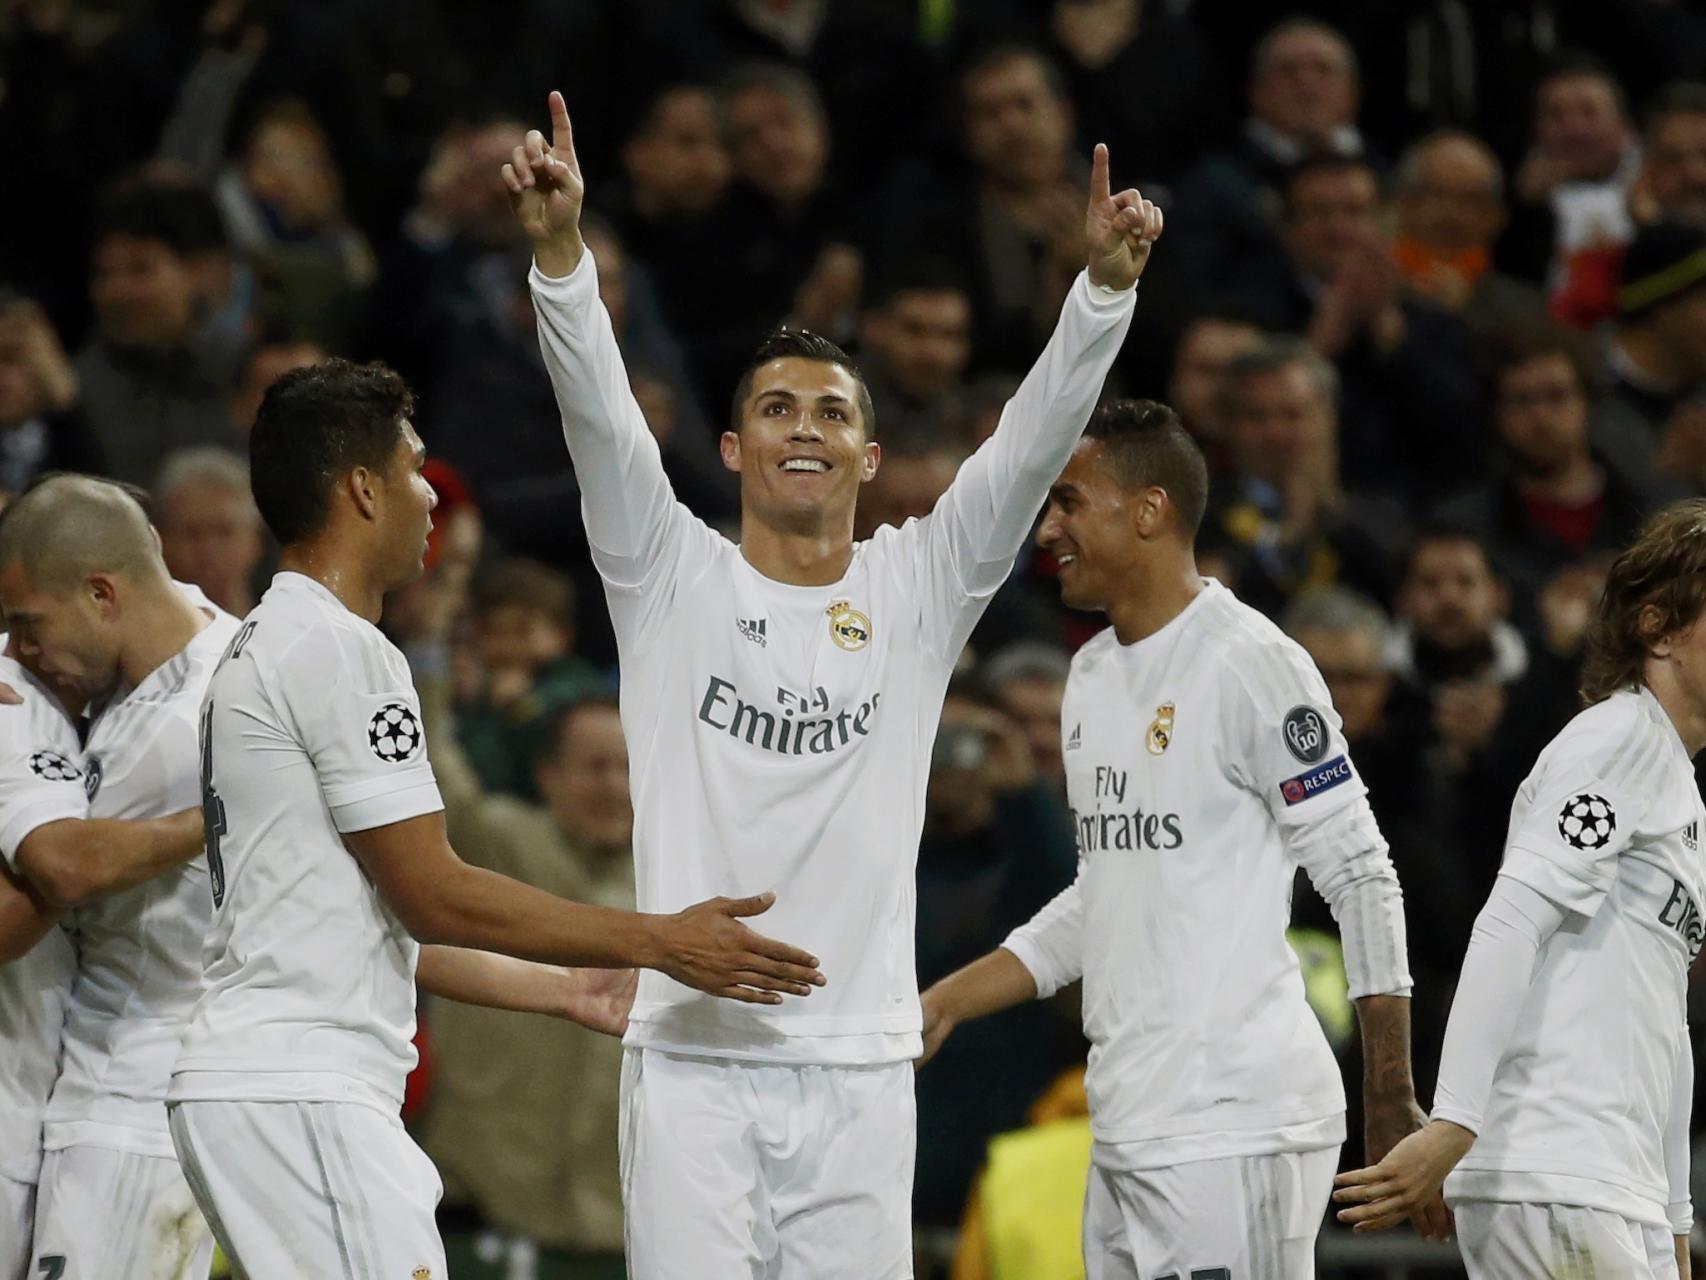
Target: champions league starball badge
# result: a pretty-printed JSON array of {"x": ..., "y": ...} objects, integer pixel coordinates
[
  {"x": 394, "y": 733},
  {"x": 1587, "y": 822}
]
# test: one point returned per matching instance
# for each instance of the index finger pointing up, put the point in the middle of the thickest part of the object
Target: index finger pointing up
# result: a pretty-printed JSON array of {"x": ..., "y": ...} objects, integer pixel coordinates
[
  {"x": 562, "y": 133},
  {"x": 1099, "y": 173}
]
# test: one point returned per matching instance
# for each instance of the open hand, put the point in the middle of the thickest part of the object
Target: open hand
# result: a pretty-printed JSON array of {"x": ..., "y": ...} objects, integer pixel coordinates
[
  {"x": 1407, "y": 1183},
  {"x": 546, "y": 190},
  {"x": 599, "y": 999},
  {"x": 708, "y": 948},
  {"x": 1120, "y": 229},
  {"x": 938, "y": 1025}
]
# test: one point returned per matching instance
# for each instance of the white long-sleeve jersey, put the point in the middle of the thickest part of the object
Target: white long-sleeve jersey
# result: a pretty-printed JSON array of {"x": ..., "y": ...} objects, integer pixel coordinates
[
  {"x": 779, "y": 736},
  {"x": 1568, "y": 1072},
  {"x": 1205, "y": 763}
]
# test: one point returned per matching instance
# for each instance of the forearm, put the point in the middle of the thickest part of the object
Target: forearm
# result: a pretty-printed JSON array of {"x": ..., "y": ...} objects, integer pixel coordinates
[
  {"x": 989, "y": 984},
  {"x": 24, "y": 918},
  {"x": 1684, "y": 1263},
  {"x": 1346, "y": 859},
  {"x": 75, "y": 860},
  {"x": 1680, "y": 1208},
  {"x": 494, "y": 981},
  {"x": 1497, "y": 969},
  {"x": 1385, "y": 1026}
]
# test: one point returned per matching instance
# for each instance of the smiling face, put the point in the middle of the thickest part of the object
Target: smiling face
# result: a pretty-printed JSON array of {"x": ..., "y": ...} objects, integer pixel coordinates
[
  {"x": 802, "y": 447},
  {"x": 1091, "y": 528}
]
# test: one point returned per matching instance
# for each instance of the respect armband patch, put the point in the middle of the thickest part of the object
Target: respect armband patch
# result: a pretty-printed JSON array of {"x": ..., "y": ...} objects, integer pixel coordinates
[{"x": 1321, "y": 778}]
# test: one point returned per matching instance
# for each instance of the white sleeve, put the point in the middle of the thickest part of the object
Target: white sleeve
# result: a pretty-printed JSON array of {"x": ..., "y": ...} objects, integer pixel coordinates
[
  {"x": 1051, "y": 943},
  {"x": 41, "y": 776},
  {"x": 360, "y": 721},
  {"x": 635, "y": 526},
  {"x": 1680, "y": 1211},
  {"x": 971, "y": 537},
  {"x": 1497, "y": 970},
  {"x": 1289, "y": 748}
]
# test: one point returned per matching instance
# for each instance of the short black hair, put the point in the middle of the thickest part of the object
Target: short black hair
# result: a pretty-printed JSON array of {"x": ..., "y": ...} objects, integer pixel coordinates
[
  {"x": 1441, "y": 528},
  {"x": 180, "y": 215},
  {"x": 920, "y": 273},
  {"x": 1150, "y": 446},
  {"x": 316, "y": 425},
  {"x": 548, "y": 748},
  {"x": 1316, "y": 163},
  {"x": 800, "y": 344},
  {"x": 1574, "y": 63},
  {"x": 1000, "y": 53},
  {"x": 1538, "y": 339}
]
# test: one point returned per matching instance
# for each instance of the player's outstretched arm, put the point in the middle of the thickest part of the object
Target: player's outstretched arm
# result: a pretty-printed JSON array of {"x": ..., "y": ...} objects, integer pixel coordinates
[
  {"x": 76, "y": 860},
  {"x": 987, "y": 985},
  {"x": 441, "y": 899},
  {"x": 25, "y": 919},
  {"x": 598, "y": 999},
  {"x": 546, "y": 191}
]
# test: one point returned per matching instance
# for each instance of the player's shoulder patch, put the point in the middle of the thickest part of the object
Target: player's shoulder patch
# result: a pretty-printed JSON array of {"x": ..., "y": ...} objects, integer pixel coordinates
[{"x": 394, "y": 733}]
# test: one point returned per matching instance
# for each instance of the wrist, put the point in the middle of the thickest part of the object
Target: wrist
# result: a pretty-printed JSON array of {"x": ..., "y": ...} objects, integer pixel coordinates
[{"x": 560, "y": 255}]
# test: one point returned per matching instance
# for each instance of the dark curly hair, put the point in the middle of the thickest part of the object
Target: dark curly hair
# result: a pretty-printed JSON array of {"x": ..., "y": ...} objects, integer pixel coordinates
[
  {"x": 1655, "y": 589},
  {"x": 316, "y": 425}
]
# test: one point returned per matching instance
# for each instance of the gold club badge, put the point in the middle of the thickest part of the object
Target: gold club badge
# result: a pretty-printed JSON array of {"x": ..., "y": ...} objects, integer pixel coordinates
[
  {"x": 848, "y": 627},
  {"x": 1160, "y": 729},
  {"x": 421, "y": 1273}
]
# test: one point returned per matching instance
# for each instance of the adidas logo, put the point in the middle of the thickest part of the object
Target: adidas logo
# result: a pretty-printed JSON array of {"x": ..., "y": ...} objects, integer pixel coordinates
[
  {"x": 753, "y": 630},
  {"x": 1072, "y": 743},
  {"x": 1691, "y": 835}
]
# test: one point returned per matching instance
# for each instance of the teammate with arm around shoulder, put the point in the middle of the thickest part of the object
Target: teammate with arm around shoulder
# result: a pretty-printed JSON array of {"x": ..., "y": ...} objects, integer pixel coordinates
[
  {"x": 1560, "y": 1122},
  {"x": 1204, "y": 764}
]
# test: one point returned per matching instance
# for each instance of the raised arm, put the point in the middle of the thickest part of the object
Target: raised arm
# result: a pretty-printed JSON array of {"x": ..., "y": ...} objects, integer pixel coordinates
[
  {"x": 982, "y": 521},
  {"x": 630, "y": 511}
]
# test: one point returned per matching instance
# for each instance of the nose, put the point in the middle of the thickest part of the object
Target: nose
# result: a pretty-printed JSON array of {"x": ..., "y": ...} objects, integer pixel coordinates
[
  {"x": 1048, "y": 531},
  {"x": 805, "y": 428}
]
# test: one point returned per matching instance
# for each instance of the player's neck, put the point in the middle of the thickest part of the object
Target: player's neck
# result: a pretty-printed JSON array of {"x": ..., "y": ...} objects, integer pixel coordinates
[
  {"x": 1154, "y": 595},
  {"x": 799, "y": 558},
  {"x": 1686, "y": 714},
  {"x": 341, "y": 573},
  {"x": 161, "y": 624}
]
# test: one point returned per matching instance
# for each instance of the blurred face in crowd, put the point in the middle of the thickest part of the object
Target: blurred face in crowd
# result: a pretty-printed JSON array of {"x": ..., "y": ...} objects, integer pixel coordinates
[
  {"x": 960, "y": 796},
  {"x": 585, "y": 781},
  {"x": 1676, "y": 167},
  {"x": 1579, "y": 122},
  {"x": 677, "y": 163},
  {"x": 267, "y": 364},
  {"x": 1206, "y": 348},
  {"x": 1679, "y": 324},
  {"x": 909, "y": 485},
  {"x": 458, "y": 182},
  {"x": 1018, "y": 129},
  {"x": 1277, "y": 418},
  {"x": 778, "y": 142},
  {"x": 516, "y": 636},
  {"x": 923, "y": 337},
  {"x": 1351, "y": 663},
  {"x": 1034, "y": 701},
  {"x": 146, "y": 295},
  {"x": 1305, "y": 86},
  {"x": 1333, "y": 213},
  {"x": 1450, "y": 595},
  {"x": 210, "y": 534},
  {"x": 803, "y": 447},
  {"x": 21, "y": 398},
  {"x": 289, "y": 168},
  {"x": 1451, "y": 201},
  {"x": 1542, "y": 414}
]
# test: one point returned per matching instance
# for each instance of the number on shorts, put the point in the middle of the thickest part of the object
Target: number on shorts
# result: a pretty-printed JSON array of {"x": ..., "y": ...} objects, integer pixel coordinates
[
  {"x": 1203, "y": 1273},
  {"x": 51, "y": 1265},
  {"x": 212, "y": 809}
]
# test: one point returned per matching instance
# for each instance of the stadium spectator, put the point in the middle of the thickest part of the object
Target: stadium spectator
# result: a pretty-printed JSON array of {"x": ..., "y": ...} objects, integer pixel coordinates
[
  {"x": 266, "y": 362},
  {"x": 40, "y": 427},
  {"x": 1450, "y": 204},
  {"x": 1211, "y": 341},
  {"x": 1303, "y": 95},
  {"x": 1029, "y": 680},
  {"x": 997, "y": 845},
  {"x": 1407, "y": 392},
  {"x": 1672, "y": 185},
  {"x": 1571, "y": 218},
  {"x": 1286, "y": 518},
  {"x": 210, "y": 531},
  {"x": 1551, "y": 500},
  {"x": 283, "y": 203},
  {"x": 915, "y": 343},
  {"x": 157, "y": 376},
  {"x": 1104, "y": 47},
  {"x": 1657, "y": 352},
  {"x": 910, "y": 481},
  {"x": 523, "y": 1119},
  {"x": 523, "y": 631}
]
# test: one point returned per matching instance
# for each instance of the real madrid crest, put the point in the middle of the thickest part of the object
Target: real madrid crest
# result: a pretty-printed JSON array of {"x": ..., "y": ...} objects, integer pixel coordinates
[
  {"x": 848, "y": 627},
  {"x": 1160, "y": 729}
]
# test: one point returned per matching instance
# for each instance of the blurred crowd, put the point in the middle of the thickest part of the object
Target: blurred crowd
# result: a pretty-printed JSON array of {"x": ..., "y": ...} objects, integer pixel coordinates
[{"x": 1432, "y": 296}]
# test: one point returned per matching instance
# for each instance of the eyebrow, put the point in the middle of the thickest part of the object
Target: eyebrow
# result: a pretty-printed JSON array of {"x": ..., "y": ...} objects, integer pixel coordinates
[{"x": 828, "y": 397}]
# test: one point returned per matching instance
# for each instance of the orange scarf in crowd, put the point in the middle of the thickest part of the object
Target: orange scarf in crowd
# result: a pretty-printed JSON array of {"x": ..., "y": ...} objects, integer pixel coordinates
[{"x": 1417, "y": 260}]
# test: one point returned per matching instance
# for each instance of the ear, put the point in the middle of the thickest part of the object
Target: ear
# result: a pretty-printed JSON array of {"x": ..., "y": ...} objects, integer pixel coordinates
[
  {"x": 872, "y": 460},
  {"x": 729, "y": 447},
  {"x": 363, "y": 486},
  {"x": 1150, "y": 508},
  {"x": 103, "y": 593},
  {"x": 1647, "y": 625}
]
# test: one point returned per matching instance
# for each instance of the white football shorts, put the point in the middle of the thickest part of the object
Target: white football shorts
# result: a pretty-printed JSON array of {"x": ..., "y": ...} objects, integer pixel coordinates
[
  {"x": 1501, "y": 1239},
  {"x": 102, "y": 1214}
]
